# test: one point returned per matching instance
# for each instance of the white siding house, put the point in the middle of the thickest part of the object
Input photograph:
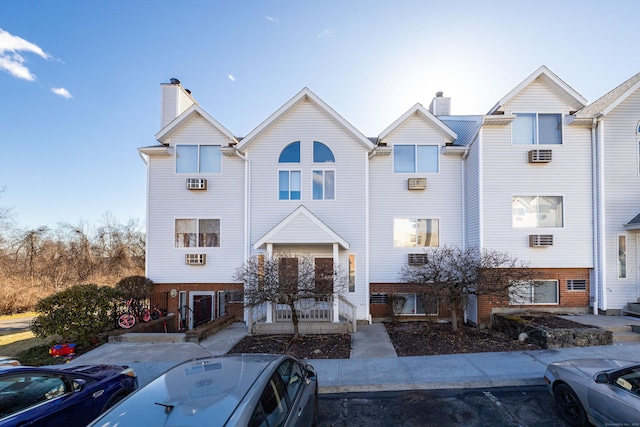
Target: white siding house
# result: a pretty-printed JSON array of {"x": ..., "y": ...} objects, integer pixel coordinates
[
  {"x": 541, "y": 176},
  {"x": 615, "y": 119}
]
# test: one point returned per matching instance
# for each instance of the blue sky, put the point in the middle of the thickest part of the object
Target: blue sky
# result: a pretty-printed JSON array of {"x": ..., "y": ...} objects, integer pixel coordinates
[{"x": 80, "y": 80}]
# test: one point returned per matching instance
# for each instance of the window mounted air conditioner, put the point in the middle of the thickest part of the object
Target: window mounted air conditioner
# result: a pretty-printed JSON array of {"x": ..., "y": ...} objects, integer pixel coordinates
[
  {"x": 540, "y": 240},
  {"x": 540, "y": 156},
  {"x": 196, "y": 184},
  {"x": 417, "y": 259},
  {"x": 195, "y": 259},
  {"x": 417, "y": 183}
]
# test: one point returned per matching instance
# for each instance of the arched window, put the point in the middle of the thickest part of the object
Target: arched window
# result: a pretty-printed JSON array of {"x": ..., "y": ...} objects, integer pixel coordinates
[
  {"x": 290, "y": 153},
  {"x": 322, "y": 153}
]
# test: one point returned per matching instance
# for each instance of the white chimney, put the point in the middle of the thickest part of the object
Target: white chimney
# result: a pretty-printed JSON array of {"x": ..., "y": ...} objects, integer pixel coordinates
[
  {"x": 440, "y": 106},
  {"x": 175, "y": 100}
]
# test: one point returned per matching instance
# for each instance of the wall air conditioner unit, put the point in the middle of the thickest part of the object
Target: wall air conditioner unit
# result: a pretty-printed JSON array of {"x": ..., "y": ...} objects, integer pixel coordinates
[
  {"x": 417, "y": 259},
  {"x": 540, "y": 240},
  {"x": 417, "y": 183},
  {"x": 196, "y": 184},
  {"x": 540, "y": 156},
  {"x": 195, "y": 259}
]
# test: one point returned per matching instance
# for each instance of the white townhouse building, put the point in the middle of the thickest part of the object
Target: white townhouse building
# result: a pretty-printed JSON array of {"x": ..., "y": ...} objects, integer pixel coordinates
[
  {"x": 614, "y": 123},
  {"x": 538, "y": 176}
]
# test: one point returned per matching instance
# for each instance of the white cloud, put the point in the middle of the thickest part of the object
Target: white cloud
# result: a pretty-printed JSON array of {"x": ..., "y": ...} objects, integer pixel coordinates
[
  {"x": 326, "y": 33},
  {"x": 230, "y": 77},
  {"x": 62, "y": 92},
  {"x": 11, "y": 59},
  {"x": 272, "y": 19}
]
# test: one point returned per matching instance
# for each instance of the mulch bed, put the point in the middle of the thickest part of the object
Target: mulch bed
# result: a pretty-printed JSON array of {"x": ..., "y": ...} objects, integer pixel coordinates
[
  {"x": 408, "y": 338},
  {"x": 329, "y": 346}
]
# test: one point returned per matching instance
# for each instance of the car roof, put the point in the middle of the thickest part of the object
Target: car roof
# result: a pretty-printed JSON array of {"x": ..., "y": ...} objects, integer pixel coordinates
[{"x": 197, "y": 392}]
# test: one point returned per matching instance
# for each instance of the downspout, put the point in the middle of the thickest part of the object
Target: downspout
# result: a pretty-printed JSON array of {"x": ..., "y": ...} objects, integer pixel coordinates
[
  {"x": 145, "y": 159},
  {"x": 596, "y": 214},
  {"x": 598, "y": 263},
  {"x": 247, "y": 217},
  {"x": 367, "y": 310},
  {"x": 462, "y": 210}
]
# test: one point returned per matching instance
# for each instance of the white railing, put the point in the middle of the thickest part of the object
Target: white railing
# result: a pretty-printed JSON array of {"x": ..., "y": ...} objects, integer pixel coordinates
[
  {"x": 348, "y": 311},
  {"x": 308, "y": 310}
]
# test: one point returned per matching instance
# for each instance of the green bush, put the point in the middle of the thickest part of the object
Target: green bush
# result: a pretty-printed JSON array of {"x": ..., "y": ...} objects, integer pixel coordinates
[
  {"x": 137, "y": 287},
  {"x": 77, "y": 314}
]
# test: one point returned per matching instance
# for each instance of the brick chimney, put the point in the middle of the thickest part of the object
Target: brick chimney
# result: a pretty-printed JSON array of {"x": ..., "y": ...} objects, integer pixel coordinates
[
  {"x": 175, "y": 100},
  {"x": 440, "y": 106}
]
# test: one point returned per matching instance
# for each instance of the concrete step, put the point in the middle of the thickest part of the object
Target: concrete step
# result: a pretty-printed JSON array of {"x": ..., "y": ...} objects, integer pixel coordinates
[
  {"x": 140, "y": 337},
  {"x": 626, "y": 337}
]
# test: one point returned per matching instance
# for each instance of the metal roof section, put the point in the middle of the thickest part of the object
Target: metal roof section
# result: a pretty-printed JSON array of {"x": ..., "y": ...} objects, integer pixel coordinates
[
  {"x": 466, "y": 127},
  {"x": 182, "y": 120},
  {"x": 420, "y": 111},
  {"x": 610, "y": 100},
  {"x": 303, "y": 96},
  {"x": 553, "y": 82},
  {"x": 634, "y": 224},
  {"x": 301, "y": 227}
]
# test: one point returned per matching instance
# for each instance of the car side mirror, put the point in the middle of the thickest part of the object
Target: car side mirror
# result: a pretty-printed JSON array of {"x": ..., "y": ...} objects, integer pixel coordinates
[
  {"x": 78, "y": 384},
  {"x": 602, "y": 378}
]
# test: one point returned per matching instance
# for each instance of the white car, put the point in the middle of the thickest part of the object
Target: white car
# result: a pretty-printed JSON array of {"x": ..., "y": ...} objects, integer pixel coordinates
[
  {"x": 8, "y": 361},
  {"x": 604, "y": 392}
]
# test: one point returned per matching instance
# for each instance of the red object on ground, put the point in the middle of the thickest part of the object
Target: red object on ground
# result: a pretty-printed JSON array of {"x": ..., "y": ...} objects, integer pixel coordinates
[{"x": 60, "y": 350}]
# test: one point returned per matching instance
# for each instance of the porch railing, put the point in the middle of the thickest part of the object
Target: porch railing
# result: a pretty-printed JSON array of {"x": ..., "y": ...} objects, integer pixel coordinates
[{"x": 308, "y": 310}]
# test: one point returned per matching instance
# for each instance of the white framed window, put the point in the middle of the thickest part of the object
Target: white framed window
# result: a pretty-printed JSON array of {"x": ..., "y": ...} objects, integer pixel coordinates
[
  {"x": 324, "y": 186},
  {"x": 622, "y": 256},
  {"x": 537, "y": 211},
  {"x": 197, "y": 233},
  {"x": 412, "y": 232},
  {"x": 533, "y": 292},
  {"x": 289, "y": 185},
  {"x": 536, "y": 128},
  {"x": 413, "y": 306},
  {"x": 193, "y": 158},
  {"x": 415, "y": 158},
  {"x": 322, "y": 153}
]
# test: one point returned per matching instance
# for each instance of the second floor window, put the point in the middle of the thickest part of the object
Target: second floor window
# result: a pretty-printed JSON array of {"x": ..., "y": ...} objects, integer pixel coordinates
[
  {"x": 412, "y": 232},
  {"x": 198, "y": 159},
  {"x": 289, "y": 185},
  {"x": 537, "y": 211},
  {"x": 415, "y": 158},
  {"x": 324, "y": 185},
  {"x": 197, "y": 233},
  {"x": 532, "y": 128}
]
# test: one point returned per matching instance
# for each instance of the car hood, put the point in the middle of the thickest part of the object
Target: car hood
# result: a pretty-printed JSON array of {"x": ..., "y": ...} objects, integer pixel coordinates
[{"x": 590, "y": 367}]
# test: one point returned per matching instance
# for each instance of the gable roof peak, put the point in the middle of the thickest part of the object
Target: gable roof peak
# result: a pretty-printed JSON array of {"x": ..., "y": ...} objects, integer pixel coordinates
[
  {"x": 553, "y": 82},
  {"x": 420, "y": 111}
]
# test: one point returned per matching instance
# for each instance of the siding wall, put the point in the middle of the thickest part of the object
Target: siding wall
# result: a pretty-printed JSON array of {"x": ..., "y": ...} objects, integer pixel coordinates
[
  {"x": 472, "y": 195},
  {"x": 391, "y": 199},
  {"x": 506, "y": 173},
  {"x": 169, "y": 199},
  {"x": 346, "y": 215},
  {"x": 622, "y": 193}
]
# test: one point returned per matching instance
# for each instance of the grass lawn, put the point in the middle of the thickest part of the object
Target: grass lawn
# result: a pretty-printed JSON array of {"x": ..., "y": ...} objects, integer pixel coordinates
[{"x": 25, "y": 347}]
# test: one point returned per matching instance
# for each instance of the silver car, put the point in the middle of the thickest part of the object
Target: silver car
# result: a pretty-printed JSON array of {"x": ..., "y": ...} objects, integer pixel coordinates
[
  {"x": 600, "y": 391},
  {"x": 231, "y": 390}
]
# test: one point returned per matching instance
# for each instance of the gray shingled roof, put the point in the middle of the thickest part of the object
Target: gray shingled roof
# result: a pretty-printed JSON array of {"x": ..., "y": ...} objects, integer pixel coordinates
[
  {"x": 606, "y": 100},
  {"x": 465, "y": 127}
]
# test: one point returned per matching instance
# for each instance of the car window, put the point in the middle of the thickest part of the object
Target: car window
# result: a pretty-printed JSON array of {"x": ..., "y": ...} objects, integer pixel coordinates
[
  {"x": 291, "y": 374},
  {"x": 273, "y": 408},
  {"x": 18, "y": 392},
  {"x": 628, "y": 379}
]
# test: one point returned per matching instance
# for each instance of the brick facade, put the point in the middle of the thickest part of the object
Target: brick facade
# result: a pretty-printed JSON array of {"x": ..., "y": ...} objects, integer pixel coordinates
[{"x": 233, "y": 308}]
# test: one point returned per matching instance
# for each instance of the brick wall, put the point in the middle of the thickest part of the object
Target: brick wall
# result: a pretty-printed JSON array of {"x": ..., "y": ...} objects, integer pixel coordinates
[
  {"x": 236, "y": 309},
  {"x": 569, "y": 301}
]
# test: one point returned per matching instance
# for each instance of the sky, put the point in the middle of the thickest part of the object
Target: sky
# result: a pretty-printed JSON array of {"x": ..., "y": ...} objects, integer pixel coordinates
[{"x": 80, "y": 79}]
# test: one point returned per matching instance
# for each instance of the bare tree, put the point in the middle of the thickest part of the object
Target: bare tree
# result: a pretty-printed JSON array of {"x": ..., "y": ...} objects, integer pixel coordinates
[
  {"x": 449, "y": 275},
  {"x": 288, "y": 279}
]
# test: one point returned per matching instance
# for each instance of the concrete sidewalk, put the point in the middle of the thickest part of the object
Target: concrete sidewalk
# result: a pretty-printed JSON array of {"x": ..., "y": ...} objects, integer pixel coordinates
[{"x": 373, "y": 365}]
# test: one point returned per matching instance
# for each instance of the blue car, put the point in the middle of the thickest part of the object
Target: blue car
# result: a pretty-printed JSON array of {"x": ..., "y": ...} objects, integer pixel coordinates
[{"x": 62, "y": 396}]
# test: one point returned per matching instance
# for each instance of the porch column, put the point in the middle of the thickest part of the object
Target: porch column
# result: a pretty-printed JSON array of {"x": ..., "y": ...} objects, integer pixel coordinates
[
  {"x": 336, "y": 301},
  {"x": 269, "y": 318}
]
